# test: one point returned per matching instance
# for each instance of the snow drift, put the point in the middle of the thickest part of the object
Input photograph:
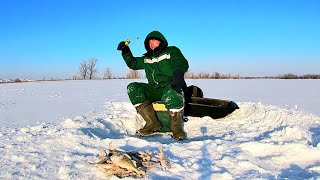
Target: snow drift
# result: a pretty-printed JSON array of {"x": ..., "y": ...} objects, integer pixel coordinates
[{"x": 256, "y": 141}]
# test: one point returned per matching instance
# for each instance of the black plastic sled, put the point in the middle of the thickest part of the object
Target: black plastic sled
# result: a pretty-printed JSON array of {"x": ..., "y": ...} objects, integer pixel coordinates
[{"x": 198, "y": 106}]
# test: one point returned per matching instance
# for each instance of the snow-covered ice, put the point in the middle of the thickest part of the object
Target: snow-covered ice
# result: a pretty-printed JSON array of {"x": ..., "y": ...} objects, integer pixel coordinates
[{"x": 53, "y": 130}]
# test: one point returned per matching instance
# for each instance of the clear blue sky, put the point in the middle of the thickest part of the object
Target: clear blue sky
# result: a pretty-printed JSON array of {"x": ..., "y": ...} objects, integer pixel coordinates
[{"x": 44, "y": 39}]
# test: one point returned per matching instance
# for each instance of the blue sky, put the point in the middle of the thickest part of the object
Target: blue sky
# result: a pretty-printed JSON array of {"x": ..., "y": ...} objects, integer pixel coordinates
[{"x": 48, "y": 39}]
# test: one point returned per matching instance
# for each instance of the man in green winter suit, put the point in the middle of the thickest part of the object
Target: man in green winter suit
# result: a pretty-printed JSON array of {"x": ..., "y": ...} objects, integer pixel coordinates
[{"x": 164, "y": 68}]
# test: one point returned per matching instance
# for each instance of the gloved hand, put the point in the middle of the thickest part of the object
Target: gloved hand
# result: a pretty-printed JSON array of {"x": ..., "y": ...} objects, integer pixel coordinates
[
  {"x": 123, "y": 47},
  {"x": 177, "y": 80}
]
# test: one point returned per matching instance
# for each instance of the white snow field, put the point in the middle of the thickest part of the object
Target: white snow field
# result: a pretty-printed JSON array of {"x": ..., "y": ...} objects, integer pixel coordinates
[{"x": 54, "y": 130}]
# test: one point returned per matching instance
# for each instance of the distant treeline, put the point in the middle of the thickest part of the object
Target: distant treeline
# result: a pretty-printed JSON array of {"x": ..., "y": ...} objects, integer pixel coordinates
[
  {"x": 205, "y": 75},
  {"x": 87, "y": 70},
  {"x": 189, "y": 75},
  {"x": 216, "y": 75},
  {"x": 305, "y": 76}
]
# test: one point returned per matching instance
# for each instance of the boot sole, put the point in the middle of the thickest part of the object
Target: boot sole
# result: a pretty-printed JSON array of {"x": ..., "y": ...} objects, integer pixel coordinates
[
  {"x": 146, "y": 134},
  {"x": 161, "y": 134},
  {"x": 179, "y": 137}
]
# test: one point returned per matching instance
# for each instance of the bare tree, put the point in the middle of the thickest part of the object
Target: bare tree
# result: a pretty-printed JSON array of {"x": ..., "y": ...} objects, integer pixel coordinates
[
  {"x": 107, "y": 74},
  {"x": 189, "y": 75},
  {"x": 92, "y": 67},
  {"x": 289, "y": 76},
  {"x": 311, "y": 76},
  {"x": 216, "y": 75},
  {"x": 83, "y": 69},
  {"x": 133, "y": 74},
  {"x": 75, "y": 77},
  {"x": 204, "y": 75},
  {"x": 236, "y": 76}
]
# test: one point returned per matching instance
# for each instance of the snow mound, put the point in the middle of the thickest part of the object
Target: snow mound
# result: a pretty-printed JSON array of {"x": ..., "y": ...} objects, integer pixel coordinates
[{"x": 255, "y": 141}]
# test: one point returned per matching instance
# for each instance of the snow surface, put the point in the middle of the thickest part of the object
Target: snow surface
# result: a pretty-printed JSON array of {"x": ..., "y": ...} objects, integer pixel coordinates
[{"x": 53, "y": 130}]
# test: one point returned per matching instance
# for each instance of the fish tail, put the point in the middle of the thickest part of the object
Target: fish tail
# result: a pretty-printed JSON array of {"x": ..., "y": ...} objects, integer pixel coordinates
[{"x": 140, "y": 172}]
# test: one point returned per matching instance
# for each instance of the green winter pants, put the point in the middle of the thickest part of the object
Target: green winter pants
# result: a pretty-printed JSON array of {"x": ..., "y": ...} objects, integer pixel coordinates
[{"x": 140, "y": 92}]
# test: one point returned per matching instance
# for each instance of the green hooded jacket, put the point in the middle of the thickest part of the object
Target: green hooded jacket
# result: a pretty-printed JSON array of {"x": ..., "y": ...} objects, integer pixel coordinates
[{"x": 160, "y": 64}]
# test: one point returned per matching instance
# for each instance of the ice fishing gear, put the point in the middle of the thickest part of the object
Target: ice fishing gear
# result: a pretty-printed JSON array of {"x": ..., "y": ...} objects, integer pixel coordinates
[
  {"x": 198, "y": 106},
  {"x": 134, "y": 39},
  {"x": 123, "y": 46},
  {"x": 127, "y": 42}
]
